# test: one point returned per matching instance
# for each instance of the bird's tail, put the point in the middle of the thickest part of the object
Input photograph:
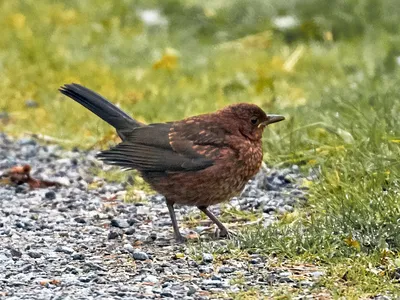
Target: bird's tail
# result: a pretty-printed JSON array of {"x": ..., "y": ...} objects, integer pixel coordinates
[{"x": 100, "y": 106}]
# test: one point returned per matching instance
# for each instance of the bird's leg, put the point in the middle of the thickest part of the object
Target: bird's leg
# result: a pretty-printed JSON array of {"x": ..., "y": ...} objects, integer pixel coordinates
[
  {"x": 222, "y": 228},
  {"x": 178, "y": 236}
]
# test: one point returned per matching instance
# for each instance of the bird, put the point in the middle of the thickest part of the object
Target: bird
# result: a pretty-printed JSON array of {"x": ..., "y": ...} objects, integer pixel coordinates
[{"x": 199, "y": 161}]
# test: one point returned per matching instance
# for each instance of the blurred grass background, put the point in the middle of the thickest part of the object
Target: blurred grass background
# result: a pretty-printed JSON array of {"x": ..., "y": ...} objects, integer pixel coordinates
[{"x": 330, "y": 66}]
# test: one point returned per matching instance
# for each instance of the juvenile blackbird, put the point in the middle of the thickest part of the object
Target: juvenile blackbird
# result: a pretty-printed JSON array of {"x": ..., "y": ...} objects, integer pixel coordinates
[{"x": 199, "y": 161}]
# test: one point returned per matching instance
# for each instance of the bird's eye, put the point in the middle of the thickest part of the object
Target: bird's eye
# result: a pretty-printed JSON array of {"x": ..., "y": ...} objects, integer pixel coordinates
[{"x": 254, "y": 120}]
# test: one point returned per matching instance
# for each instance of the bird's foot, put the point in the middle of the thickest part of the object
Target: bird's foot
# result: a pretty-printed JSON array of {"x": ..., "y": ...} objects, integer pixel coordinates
[
  {"x": 180, "y": 239},
  {"x": 225, "y": 233}
]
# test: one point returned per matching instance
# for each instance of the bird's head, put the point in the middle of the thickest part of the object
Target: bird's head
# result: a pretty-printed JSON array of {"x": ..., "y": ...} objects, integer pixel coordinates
[{"x": 249, "y": 119}]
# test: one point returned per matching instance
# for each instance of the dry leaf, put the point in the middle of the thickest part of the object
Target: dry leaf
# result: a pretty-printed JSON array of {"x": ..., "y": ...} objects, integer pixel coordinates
[
  {"x": 168, "y": 61},
  {"x": 352, "y": 243}
]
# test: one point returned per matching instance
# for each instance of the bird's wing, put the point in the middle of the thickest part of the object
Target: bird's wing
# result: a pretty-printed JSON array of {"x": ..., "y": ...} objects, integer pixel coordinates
[{"x": 165, "y": 147}]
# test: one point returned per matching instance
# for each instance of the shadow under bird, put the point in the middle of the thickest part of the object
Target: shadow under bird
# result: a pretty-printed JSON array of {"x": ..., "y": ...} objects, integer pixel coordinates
[{"x": 198, "y": 161}]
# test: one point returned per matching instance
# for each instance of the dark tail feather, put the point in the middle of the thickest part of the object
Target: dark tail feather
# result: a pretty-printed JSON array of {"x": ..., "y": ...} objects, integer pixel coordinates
[{"x": 101, "y": 107}]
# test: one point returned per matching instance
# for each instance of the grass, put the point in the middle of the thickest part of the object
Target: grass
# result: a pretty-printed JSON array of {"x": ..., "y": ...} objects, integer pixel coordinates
[{"x": 334, "y": 74}]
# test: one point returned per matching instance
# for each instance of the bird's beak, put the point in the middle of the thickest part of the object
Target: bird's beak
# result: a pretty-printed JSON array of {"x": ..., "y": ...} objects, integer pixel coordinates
[{"x": 273, "y": 119}]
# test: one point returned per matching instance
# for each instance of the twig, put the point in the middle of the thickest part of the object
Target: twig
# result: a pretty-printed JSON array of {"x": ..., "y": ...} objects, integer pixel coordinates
[{"x": 47, "y": 138}]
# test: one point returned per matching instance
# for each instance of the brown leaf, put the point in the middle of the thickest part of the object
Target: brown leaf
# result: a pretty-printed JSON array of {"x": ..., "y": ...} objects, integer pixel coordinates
[
  {"x": 21, "y": 174},
  {"x": 52, "y": 281},
  {"x": 138, "y": 243}
]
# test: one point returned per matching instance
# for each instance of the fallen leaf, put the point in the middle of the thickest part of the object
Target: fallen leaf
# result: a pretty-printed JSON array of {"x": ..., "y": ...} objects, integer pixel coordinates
[
  {"x": 352, "y": 243},
  {"x": 138, "y": 243},
  {"x": 168, "y": 61},
  {"x": 52, "y": 281},
  {"x": 179, "y": 255},
  {"x": 21, "y": 174}
]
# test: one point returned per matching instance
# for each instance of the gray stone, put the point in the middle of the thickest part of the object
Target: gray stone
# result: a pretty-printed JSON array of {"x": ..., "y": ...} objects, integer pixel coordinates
[
  {"x": 51, "y": 195},
  {"x": 31, "y": 103},
  {"x": 317, "y": 274},
  {"x": 269, "y": 209},
  {"x": 34, "y": 254},
  {"x": 285, "y": 274},
  {"x": 119, "y": 223},
  {"x": 210, "y": 282},
  {"x": 64, "y": 249},
  {"x": 80, "y": 220},
  {"x": 206, "y": 269},
  {"x": 139, "y": 255},
  {"x": 15, "y": 252},
  {"x": 129, "y": 231},
  {"x": 78, "y": 256},
  {"x": 207, "y": 258},
  {"x": 306, "y": 284},
  {"x": 27, "y": 141},
  {"x": 129, "y": 248},
  {"x": 114, "y": 235},
  {"x": 85, "y": 279},
  {"x": 226, "y": 269},
  {"x": 216, "y": 277},
  {"x": 166, "y": 293},
  {"x": 151, "y": 278}
]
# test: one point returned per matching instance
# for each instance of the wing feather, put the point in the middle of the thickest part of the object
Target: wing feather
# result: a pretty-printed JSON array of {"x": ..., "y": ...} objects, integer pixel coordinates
[{"x": 167, "y": 147}]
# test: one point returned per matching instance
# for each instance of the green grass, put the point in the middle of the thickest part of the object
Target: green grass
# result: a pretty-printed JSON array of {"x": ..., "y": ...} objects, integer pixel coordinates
[{"x": 334, "y": 75}]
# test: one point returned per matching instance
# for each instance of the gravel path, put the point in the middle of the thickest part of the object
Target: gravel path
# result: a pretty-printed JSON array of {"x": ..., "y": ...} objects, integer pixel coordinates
[{"x": 79, "y": 241}]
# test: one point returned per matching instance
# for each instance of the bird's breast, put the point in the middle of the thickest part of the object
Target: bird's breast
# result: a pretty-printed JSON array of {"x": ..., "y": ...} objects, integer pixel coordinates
[
  {"x": 250, "y": 156},
  {"x": 233, "y": 167}
]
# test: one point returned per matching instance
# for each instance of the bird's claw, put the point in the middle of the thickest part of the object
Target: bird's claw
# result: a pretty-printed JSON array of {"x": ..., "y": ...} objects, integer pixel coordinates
[
  {"x": 225, "y": 233},
  {"x": 180, "y": 239}
]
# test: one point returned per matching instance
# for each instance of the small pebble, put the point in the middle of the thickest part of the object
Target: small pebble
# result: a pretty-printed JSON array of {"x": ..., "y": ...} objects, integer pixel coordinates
[
  {"x": 151, "y": 278},
  {"x": 192, "y": 290},
  {"x": 64, "y": 249},
  {"x": 166, "y": 293},
  {"x": 285, "y": 274},
  {"x": 206, "y": 269},
  {"x": 80, "y": 220},
  {"x": 317, "y": 274},
  {"x": 269, "y": 209},
  {"x": 34, "y": 254},
  {"x": 15, "y": 252},
  {"x": 84, "y": 279},
  {"x": 216, "y": 277},
  {"x": 129, "y": 248},
  {"x": 216, "y": 283},
  {"x": 306, "y": 284},
  {"x": 129, "y": 231},
  {"x": 119, "y": 223},
  {"x": 285, "y": 280},
  {"x": 226, "y": 270},
  {"x": 207, "y": 258},
  {"x": 112, "y": 234},
  {"x": 31, "y": 103},
  {"x": 78, "y": 256},
  {"x": 139, "y": 255},
  {"x": 51, "y": 195}
]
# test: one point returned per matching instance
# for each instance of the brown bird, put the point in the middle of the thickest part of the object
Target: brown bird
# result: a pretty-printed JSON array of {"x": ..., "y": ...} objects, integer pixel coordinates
[{"x": 199, "y": 161}]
